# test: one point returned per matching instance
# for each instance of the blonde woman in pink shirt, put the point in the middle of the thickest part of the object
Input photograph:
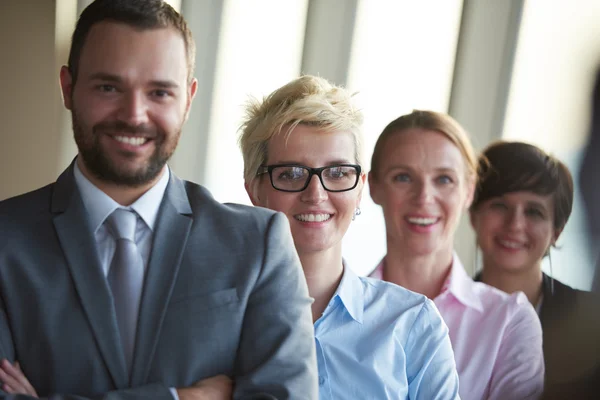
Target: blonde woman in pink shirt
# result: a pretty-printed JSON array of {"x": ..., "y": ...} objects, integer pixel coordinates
[{"x": 423, "y": 175}]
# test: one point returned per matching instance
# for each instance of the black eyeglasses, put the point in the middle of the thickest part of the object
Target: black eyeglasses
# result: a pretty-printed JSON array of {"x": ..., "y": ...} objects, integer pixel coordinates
[{"x": 295, "y": 178}]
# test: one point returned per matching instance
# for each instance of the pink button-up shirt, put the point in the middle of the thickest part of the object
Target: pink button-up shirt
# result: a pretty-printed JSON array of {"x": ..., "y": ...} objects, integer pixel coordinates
[{"x": 496, "y": 337}]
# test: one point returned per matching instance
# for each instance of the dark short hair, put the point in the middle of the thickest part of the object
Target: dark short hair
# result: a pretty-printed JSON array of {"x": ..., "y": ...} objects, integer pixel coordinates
[
  {"x": 141, "y": 14},
  {"x": 506, "y": 167}
]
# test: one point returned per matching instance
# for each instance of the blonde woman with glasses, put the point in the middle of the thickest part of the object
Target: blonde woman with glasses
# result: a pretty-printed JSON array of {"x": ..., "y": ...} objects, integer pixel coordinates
[{"x": 375, "y": 340}]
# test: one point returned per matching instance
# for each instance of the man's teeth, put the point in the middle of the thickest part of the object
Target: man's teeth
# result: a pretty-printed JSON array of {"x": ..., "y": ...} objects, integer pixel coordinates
[
  {"x": 422, "y": 221},
  {"x": 135, "y": 141},
  {"x": 312, "y": 217},
  {"x": 510, "y": 244}
]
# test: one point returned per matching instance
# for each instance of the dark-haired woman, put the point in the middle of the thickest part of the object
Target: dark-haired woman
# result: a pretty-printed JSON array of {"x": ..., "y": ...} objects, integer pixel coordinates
[{"x": 520, "y": 208}]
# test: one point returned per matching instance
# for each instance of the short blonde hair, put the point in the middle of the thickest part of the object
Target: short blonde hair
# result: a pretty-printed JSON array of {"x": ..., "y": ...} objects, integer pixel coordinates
[
  {"x": 308, "y": 100},
  {"x": 432, "y": 121}
]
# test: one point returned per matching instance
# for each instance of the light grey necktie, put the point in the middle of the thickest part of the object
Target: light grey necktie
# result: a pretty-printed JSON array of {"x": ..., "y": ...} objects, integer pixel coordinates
[{"x": 126, "y": 277}]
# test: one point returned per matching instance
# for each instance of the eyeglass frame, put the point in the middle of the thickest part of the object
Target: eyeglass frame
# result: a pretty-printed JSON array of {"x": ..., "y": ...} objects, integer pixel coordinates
[{"x": 268, "y": 169}]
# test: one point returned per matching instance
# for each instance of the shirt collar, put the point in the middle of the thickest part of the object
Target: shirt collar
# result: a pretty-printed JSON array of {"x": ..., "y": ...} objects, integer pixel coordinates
[
  {"x": 458, "y": 283},
  {"x": 99, "y": 205},
  {"x": 378, "y": 271},
  {"x": 350, "y": 292}
]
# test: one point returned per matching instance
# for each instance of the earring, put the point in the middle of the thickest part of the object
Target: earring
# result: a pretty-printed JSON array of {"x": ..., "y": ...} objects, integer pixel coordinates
[
  {"x": 477, "y": 269},
  {"x": 356, "y": 213},
  {"x": 551, "y": 273}
]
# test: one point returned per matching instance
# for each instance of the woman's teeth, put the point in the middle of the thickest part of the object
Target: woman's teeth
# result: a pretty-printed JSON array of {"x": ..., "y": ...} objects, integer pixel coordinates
[
  {"x": 422, "y": 221},
  {"x": 312, "y": 217}
]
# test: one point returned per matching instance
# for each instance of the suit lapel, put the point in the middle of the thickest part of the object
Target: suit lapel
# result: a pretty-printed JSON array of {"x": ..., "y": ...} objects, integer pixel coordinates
[
  {"x": 170, "y": 237},
  {"x": 78, "y": 244}
]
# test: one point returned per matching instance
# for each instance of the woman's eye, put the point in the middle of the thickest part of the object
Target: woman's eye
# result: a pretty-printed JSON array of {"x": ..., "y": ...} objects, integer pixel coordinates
[
  {"x": 498, "y": 206},
  {"x": 401, "y": 178},
  {"x": 290, "y": 173},
  {"x": 336, "y": 172},
  {"x": 444, "y": 179},
  {"x": 534, "y": 212}
]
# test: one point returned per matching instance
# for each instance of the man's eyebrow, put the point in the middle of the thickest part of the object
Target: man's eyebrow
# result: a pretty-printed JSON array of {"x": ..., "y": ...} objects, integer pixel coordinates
[
  {"x": 165, "y": 84},
  {"x": 103, "y": 76}
]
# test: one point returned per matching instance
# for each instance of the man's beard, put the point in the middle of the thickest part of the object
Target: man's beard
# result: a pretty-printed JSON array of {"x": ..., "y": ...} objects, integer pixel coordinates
[{"x": 106, "y": 169}]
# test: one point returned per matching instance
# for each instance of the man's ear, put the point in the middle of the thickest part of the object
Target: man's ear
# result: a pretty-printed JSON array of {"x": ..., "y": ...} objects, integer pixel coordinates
[
  {"x": 374, "y": 189},
  {"x": 192, "y": 89},
  {"x": 252, "y": 190},
  {"x": 66, "y": 86}
]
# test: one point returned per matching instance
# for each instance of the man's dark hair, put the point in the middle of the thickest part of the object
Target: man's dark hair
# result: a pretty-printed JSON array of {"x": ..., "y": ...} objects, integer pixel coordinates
[{"x": 141, "y": 14}]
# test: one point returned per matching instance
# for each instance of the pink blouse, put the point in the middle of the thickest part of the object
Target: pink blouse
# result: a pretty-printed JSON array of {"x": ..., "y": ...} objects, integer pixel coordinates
[{"x": 496, "y": 338}]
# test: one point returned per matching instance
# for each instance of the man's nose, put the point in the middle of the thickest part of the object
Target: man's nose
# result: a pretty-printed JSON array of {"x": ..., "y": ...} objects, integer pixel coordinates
[{"x": 134, "y": 109}]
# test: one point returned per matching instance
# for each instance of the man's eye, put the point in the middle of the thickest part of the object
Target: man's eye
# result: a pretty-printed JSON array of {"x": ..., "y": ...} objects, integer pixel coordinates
[
  {"x": 107, "y": 88},
  {"x": 160, "y": 93}
]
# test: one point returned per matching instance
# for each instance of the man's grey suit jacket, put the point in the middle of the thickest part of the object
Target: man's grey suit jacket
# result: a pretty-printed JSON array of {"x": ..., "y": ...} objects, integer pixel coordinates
[{"x": 224, "y": 293}]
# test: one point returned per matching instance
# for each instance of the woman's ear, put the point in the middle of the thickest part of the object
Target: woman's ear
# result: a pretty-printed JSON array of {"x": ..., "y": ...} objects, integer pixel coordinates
[
  {"x": 557, "y": 233},
  {"x": 361, "y": 186},
  {"x": 374, "y": 189},
  {"x": 471, "y": 183},
  {"x": 473, "y": 219},
  {"x": 252, "y": 190}
]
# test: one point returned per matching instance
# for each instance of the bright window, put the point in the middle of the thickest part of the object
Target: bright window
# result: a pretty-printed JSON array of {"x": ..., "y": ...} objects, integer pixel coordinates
[
  {"x": 549, "y": 105},
  {"x": 260, "y": 49},
  {"x": 402, "y": 59}
]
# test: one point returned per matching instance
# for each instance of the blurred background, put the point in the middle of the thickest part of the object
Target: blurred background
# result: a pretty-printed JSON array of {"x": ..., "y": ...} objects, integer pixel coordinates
[{"x": 511, "y": 69}]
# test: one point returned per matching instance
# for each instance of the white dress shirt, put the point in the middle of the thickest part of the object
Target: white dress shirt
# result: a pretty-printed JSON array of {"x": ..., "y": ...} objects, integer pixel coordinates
[{"x": 99, "y": 206}]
